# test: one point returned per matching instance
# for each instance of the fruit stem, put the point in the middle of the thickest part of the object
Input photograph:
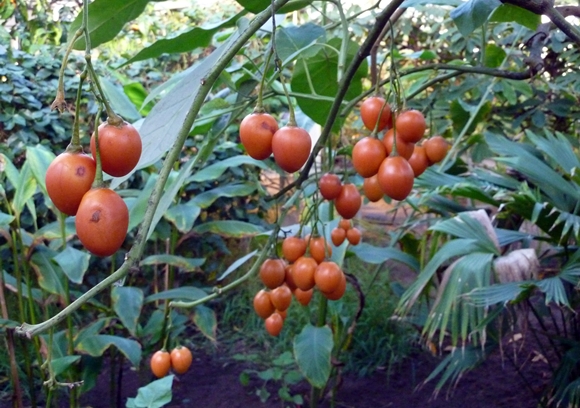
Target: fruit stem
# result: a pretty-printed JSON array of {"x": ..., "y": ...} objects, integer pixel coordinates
[
  {"x": 99, "y": 169},
  {"x": 344, "y": 45},
  {"x": 259, "y": 105},
  {"x": 59, "y": 101},
  {"x": 75, "y": 143}
]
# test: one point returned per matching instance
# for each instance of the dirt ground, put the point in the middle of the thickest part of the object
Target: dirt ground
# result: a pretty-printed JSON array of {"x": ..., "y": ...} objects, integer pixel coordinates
[{"x": 214, "y": 382}]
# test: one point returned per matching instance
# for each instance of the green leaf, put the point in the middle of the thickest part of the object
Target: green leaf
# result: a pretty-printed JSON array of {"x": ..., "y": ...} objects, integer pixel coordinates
[
  {"x": 460, "y": 112},
  {"x": 498, "y": 293},
  {"x": 377, "y": 255},
  {"x": 97, "y": 345},
  {"x": 5, "y": 219},
  {"x": 183, "y": 216},
  {"x": 215, "y": 170},
  {"x": 50, "y": 276},
  {"x": 472, "y": 14},
  {"x": 139, "y": 206},
  {"x": 207, "y": 198},
  {"x": 61, "y": 364},
  {"x": 11, "y": 283},
  {"x": 229, "y": 228},
  {"x": 312, "y": 349},
  {"x": 39, "y": 158},
  {"x": 106, "y": 19},
  {"x": 74, "y": 263},
  {"x": 510, "y": 12},
  {"x": 183, "y": 263},
  {"x": 127, "y": 303},
  {"x": 25, "y": 189},
  {"x": 494, "y": 56},
  {"x": 119, "y": 101},
  {"x": 205, "y": 320},
  {"x": 256, "y": 6},
  {"x": 186, "y": 293},
  {"x": 154, "y": 395},
  {"x": 239, "y": 262},
  {"x": 197, "y": 37},
  {"x": 160, "y": 128},
  {"x": 137, "y": 94},
  {"x": 318, "y": 75},
  {"x": 292, "y": 40},
  {"x": 415, "y": 3}
]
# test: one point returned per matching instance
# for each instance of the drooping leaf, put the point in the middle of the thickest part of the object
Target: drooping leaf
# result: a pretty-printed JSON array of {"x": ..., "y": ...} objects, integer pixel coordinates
[
  {"x": 239, "y": 262},
  {"x": 5, "y": 219},
  {"x": 207, "y": 198},
  {"x": 119, "y": 101},
  {"x": 205, "y": 320},
  {"x": 256, "y": 6},
  {"x": 376, "y": 255},
  {"x": 216, "y": 169},
  {"x": 186, "y": 293},
  {"x": 494, "y": 56},
  {"x": 472, "y": 14},
  {"x": 292, "y": 40},
  {"x": 229, "y": 228},
  {"x": 25, "y": 189},
  {"x": 50, "y": 275},
  {"x": 74, "y": 263},
  {"x": 312, "y": 349},
  {"x": 127, "y": 303},
  {"x": 510, "y": 12},
  {"x": 183, "y": 263},
  {"x": 106, "y": 19},
  {"x": 415, "y": 3},
  {"x": 198, "y": 37},
  {"x": 183, "y": 216},
  {"x": 156, "y": 394},
  {"x": 11, "y": 283},
  {"x": 61, "y": 364},
  {"x": 39, "y": 158},
  {"x": 318, "y": 75},
  {"x": 96, "y": 345}
]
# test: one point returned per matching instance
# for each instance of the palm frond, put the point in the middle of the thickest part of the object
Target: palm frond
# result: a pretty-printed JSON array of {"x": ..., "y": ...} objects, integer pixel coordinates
[
  {"x": 558, "y": 148},
  {"x": 468, "y": 227}
]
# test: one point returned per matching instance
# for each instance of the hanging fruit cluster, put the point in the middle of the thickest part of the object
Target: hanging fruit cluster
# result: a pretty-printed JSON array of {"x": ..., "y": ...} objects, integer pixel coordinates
[
  {"x": 179, "y": 360},
  {"x": 75, "y": 187},
  {"x": 390, "y": 165}
]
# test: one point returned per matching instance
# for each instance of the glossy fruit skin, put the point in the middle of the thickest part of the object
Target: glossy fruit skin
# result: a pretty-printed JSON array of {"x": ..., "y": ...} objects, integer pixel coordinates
[
  {"x": 102, "y": 221},
  {"x": 319, "y": 249},
  {"x": 291, "y": 147},
  {"x": 411, "y": 125},
  {"x": 327, "y": 276},
  {"x": 120, "y": 148},
  {"x": 68, "y": 178},
  {"x": 293, "y": 248},
  {"x": 303, "y": 296},
  {"x": 281, "y": 297},
  {"x": 396, "y": 177},
  {"x": 338, "y": 235},
  {"x": 274, "y": 324},
  {"x": 370, "y": 110},
  {"x": 419, "y": 160},
  {"x": 160, "y": 363},
  {"x": 436, "y": 148},
  {"x": 338, "y": 292},
  {"x": 348, "y": 202},
  {"x": 181, "y": 359},
  {"x": 263, "y": 304},
  {"x": 372, "y": 189},
  {"x": 353, "y": 236},
  {"x": 344, "y": 224},
  {"x": 256, "y": 132},
  {"x": 273, "y": 272},
  {"x": 329, "y": 186},
  {"x": 404, "y": 149},
  {"x": 367, "y": 156},
  {"x": 303, "y": 272},
  {"x": 289, "y": 278}
]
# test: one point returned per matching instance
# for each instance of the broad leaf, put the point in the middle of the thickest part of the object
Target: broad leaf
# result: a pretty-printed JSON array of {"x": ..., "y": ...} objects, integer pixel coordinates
[
  {"x": 74, "y": 263},
  {"x": 127, "y": 303},
  {"x": 229, "y": 228},
  {"x": 376, "y": 255},
  {"x": 473, "y": 14},
  {"x": 256, "y": 6},
  {"x": 61, "y": 364},
  {"x": 312, "y": 350},
  {"x": 239, "y": 262},
  {"x": 50, "y": 275},
  {"x": 106, "y": 19},
  {"x": 292, "y": 40},
  {"x": 183, "y": 216},
  {"x": 39, "y": 158},
  {"x": 509, "y": 12},
  {"x": 415, "y": 3},
  {"x": 97, "y": 345},
  {"x": 207, "y": 198},
  {"x": 183, "y": 263},
  {"x": 5, "y": 219},
  {"x": 186, "y": 293},
  {"x": 197, "y": 37},
  {"x": 205, "y": 320},
  {"x": 25, "y": 189},
  {"x": 156, "y": 394},
  {"x": 216, "y": 169},
  {"x": 11, "y": 283},
  {"x": 119, "y": 101}
]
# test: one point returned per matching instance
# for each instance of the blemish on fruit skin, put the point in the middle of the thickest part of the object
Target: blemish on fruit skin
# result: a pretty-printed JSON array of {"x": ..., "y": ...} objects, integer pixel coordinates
[
  {"x": 81, "y": 171},
  {"x": 96, "y": 217}
]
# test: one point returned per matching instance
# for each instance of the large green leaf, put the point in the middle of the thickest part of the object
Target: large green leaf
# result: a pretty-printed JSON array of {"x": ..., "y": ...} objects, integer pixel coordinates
[
  {"x": 119, "y": 101},
  {"x": 5, "y": 219},
  {"x": 160, "y": 128},
  {"x": 106, "y": 19},
  {"x": 197, "y": 37},
  {"x": 216, "y": 169},
  {"x": 207, "y": 198},
  {"x": 183, "y": 263},
  {"x": 292, "y": 40},
  {"x": 318, "y": 75},
  {"x": 50, "y": 275},
  {"x": 376, "y": 255},
  {"x": 97, "y": 345},
  {"x": 509, "y": 12},
  {"x": 312, "y": 350},
  {"x": 256, "y": 6},
  {"x": 229, "y": 228},
  {"x": 473, "y": 14},
  {"x": 186, "y": 293},
  {"x": 25, "y": 189},
  {"x": 127, "y": 303},
  {"x": 74, "y": 263},
  {"x": 61, "y": 364},
  {"x": 156, "y": 394},
  {"x": 39, "y": 158},
  {"x": 415, "y": 3},
  {"x": 11, "y": 283},
  {"x": 205, "y": 320},
  {"x": 239, "y": 262},
  {"x": 183, "y": 216}
]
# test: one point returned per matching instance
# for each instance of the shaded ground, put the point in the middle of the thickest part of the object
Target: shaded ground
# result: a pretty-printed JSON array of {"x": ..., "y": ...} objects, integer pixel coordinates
[{"x": 214, "y": 382}]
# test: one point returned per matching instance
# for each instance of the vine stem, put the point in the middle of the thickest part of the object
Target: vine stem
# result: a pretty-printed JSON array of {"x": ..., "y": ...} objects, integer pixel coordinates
[{"x": 136, "y": 251}]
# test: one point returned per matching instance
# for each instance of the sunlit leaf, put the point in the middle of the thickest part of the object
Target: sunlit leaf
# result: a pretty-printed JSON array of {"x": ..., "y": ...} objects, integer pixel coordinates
[{"x": 312, "y": 349}]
